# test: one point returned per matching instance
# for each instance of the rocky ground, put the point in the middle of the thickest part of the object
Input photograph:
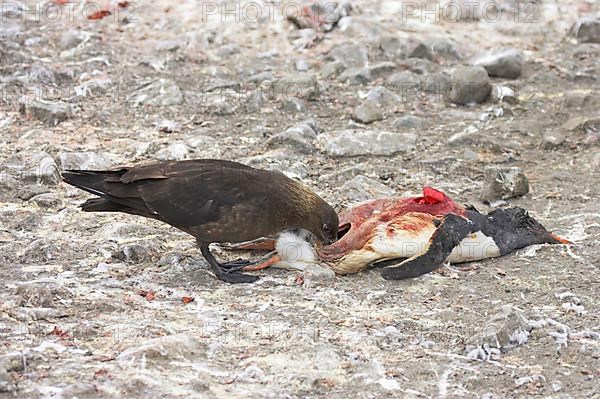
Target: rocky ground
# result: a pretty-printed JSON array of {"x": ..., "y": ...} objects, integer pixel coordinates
[{"x": 357, "y": 100}]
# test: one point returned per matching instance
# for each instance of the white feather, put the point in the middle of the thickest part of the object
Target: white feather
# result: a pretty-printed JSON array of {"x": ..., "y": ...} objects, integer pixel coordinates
[{"x": 296, "y": 250}]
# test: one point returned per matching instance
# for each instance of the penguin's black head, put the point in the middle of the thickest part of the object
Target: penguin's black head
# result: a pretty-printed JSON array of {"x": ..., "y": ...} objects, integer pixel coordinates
[{"x": 523, "y": 229}]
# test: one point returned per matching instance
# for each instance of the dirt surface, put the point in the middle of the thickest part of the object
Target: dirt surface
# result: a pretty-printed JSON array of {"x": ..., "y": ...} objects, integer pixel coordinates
[{"x": 100, "y": 305}]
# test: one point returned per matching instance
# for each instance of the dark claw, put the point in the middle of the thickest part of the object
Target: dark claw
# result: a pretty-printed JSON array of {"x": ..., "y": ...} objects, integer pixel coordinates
[
  {"x": 237, "y": 278},
  {"x": 235, "y": 265}
]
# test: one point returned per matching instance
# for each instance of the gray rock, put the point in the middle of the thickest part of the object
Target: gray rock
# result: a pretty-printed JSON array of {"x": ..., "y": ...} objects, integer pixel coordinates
[
  {"x": 504, "y": 64},
  {"x": 362, "y": 188},
  {"x": 471, "y": 136},
  {"x": 301, "y": 85},
  {"x": 72, "y": 38},
  {"x": 175, "y": 151},
  {"x": 356, "y": 76},
  {"x": 9, "y": 187},
  {"x": 435, "y": 47},
  {"x": 302, "y": 65},
  {"x": 83, "y": 160},
  {"x": 50, "y": 113},
  {"x": 28, "y": 191},
  {"x": 40, "y": 168},
  {"x": 40, "y": 250},
  {"x": 153, "y": 352},
  {"x": 587, "y": 100},
  {"x": 202, "y": 141},
  {"x": 437, "y": 82},
  {"x": 587, "y": 29},
  {"x": 469, "y": 85},
  {"x": 351, "y": 55},
  {"x": 261, "y": 77},
  {"x": 223, "y": 103},
  {"x": 315, "y": 275},
  {"x": 408, "y": 122},
  {"x": 167, "y": 126},
  {"x": 404, "y": 80},
  {"x": 420, "y": 66},
  {"x": 41, "y": 74},
  {"x": 368, "y": 112},
  {"x": 168, "y": 45},
  {"x": 393, "y": 47},
  {"x": 161, "y": 92},
  {"x": 293, "y": 104},
  {"x": 137, "y": 253},
  {"x": 299, "y": 138},
  {"x": 504, "y": 330},
  {"x": 349, "y": 143},
  {"x": 338, "y": 177},
  {"x": 94, "y": 87},
  {"x": 503, "y": 183},
  {"x": 382, "y": 69},
  {"x": 331, "y": 69},
  {"x": 552, "y": 139},
  {"x": 6, "y": 382},
  {"x": 47, "y": 200},
  {"x": 383, "y": 97}
]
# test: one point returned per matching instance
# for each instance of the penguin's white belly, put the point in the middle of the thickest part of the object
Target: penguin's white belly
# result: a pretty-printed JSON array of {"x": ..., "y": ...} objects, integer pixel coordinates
[{"x": 476, "y": 246}]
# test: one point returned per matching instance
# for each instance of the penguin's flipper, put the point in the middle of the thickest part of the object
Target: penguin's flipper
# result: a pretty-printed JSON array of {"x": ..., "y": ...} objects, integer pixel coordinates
[{"x": 446, "y": 237}]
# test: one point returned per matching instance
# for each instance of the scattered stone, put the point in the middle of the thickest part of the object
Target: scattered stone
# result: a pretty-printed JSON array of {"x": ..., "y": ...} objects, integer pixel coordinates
[
  {"x": 504, "y": 64},
  {"x": 29, "y": 191},
  {"x": 368, "y": 112},
  {"x": 261, "y": 77},
  {"x": 40, "y": 168},
  {"x": 503, "y": 183},
  {"x": 302, "y": 65},
  {"x": 40, "y": 250},
  {"x": 300, "y": 138},
  {"x": 469, "y": 85},
  {"x": 83, "y": 161},
  {"x": 393, "y": 47},
  {"x": 587, "y": 29},
  {"x": 40, "y": 74},
  {"x": 41, "y": 295},
  {"x": 434, "y": 48},
  {"x": 167, "y": 126},
  {"x": 315, "y": 275},
  {"x": 437, "y": 82},
  {"x": 383, "y": 97},
  {"x": 362, "y": 188},
  {"x": 137, "y": 253},
  {"x": 178, "y": 347},
  {"x": 50, "y": 113},
  {"x": 503, "y": 94},
  {"x": 47, "y": 200},
  {"x": 301, "y": 85},
  {"x": 9, "y": 187},
  {"x": 382, "y": 69},
  {"x": 350, "y": 143},
  {"x": 94, "y": 87},
  {"x": 350, "y": 55},
  {"x": 356, "y": 76},
  {"x": 408, "y": 122},
  {"x": 176, "y": 151},
  {"x": 504, "y": 330},
  {"x": 331, "y": 69},
  {"x": 161, "y": 92},
  {"x": 293, "y": 104},
  {"x": 420, "y": 66},
  {"x": 404, "y": 80},
  {"x": 552, "y": 139},
  {"x": 72, "y": 38}
]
